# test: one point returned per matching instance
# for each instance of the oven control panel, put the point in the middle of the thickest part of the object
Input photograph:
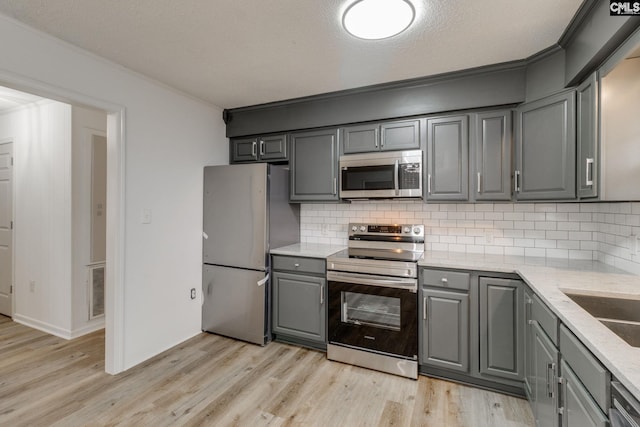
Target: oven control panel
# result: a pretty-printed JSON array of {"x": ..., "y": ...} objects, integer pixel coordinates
[{"x": 384, "y": 231}]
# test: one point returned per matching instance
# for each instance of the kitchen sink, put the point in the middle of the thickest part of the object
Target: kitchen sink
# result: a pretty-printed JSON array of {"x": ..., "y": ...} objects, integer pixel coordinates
[{"x": 620, "y": 315}]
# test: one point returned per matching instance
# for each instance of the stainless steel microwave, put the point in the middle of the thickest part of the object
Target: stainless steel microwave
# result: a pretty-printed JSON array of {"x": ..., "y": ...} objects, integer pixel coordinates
[{"x": 386, "y": 174}]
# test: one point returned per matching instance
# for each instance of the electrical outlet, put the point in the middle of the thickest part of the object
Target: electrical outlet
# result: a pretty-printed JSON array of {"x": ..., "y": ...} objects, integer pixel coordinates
[
  {"x": 145, "y": 216},
  {"x": 488, "y": 238},
  {"x": 633, "y": 244},
  {"x": 32, "y": 285},
  {"x": 324, "y": 229},
  {"x": 193, "y": 293}
]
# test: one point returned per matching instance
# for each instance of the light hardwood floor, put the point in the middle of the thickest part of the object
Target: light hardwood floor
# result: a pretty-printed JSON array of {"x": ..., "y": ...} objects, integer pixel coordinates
[{"x": 215, "y": 381}]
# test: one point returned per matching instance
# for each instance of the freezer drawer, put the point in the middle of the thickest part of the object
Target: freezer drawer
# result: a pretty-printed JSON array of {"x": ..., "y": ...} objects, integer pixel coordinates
[{"x": 234, "y": 303}]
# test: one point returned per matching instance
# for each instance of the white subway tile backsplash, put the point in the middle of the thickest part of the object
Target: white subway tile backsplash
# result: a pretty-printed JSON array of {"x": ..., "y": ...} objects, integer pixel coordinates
[{"x": 559, "y": 230}]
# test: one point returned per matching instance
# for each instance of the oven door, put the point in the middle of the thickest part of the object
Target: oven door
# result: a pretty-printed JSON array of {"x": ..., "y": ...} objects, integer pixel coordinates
[{"x": 376, "y": 313}]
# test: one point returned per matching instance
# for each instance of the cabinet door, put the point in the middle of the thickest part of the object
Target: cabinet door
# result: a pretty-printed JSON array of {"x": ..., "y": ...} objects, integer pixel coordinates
[
  {"x": 579, "y": 409},
  {"x": 546, "y": 149},
  {"x": 529, "y": 349},
  {"x": 244, "y": 150},
  {"x": 587, "y": 137},
  {"x": 447, "y": 158},
  {"x": 273, "y": 147},
  {"x": 360, "y": 139},
  {"x": 544, "y": 389},
  {"x": 445, "y": 331},
  {"x": 299, "y": 306},
  {"x": 501, "y": 328},
  {"x": 492, "y": 154},
  {"x": 404, "y": 135},
  {"x": 314, "y": 166}
]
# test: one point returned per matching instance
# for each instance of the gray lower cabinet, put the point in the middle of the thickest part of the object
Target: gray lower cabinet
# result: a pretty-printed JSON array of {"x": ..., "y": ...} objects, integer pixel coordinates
[
  {"x": 578, "y": 408},
  {"x": 587, "y": 137},
  {"x": 545, "y": 149},
  {"x": 259, "y": 148},
  {"x": 544, "y": 387},
  {"x": 501, "y": 328},
  {"x": 586, "y": 384},
  {"x": 387, "y": 136},
  {"x": 447, "y": 158},
  {"x": 491, "y": 153},
  {"x": 541, "y": 360},
  {"x": 314, "y": 166},
  {"x": 445, "y": 329},
  {"x": 299, "y": 308}
]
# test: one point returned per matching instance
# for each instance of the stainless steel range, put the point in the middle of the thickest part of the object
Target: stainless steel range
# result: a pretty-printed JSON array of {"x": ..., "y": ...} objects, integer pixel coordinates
[{"x": 373, "y": 303}]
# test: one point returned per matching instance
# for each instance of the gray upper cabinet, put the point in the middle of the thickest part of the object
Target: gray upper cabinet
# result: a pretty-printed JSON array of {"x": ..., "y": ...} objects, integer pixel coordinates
[
  {"x": 501, "y": 328},
  {"x": 587, "y": 137},
  {"x": 447, "y": 158},
  {"x": 445, "y": 329},
  {"x": 260, "y": 148},
  {"x": 491, "y": 153},
  {"x": 388, "y": 136},
  {"x": 314, "y": 166},
  {"x": 361, "y": 139},
  {"x": 546, "y": 148}
]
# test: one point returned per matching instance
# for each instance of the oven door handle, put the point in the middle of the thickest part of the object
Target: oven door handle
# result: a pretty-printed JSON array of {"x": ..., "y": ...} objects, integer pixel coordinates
[{"x": 367, "y": 279}]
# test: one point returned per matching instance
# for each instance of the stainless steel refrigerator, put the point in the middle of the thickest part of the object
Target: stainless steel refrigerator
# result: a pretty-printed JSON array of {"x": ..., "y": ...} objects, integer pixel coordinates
[{"x": 246, "y": 213}]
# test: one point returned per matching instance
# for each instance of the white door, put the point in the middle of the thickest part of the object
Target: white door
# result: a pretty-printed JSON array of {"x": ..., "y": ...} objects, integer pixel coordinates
[{"x": 6, "y": 227}]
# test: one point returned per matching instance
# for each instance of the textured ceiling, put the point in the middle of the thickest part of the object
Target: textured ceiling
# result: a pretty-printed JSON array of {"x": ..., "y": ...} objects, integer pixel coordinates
[{"x": 235, "y": 53}]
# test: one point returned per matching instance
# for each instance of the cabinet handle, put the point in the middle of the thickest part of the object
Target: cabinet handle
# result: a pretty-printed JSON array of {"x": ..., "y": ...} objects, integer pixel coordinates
[
  {"x": 253, "y": 149},
  {"x": 424, "y": 308},
  {"x": 428, "y": 183},
  {"x": 296, "y": 265},
  {"x": 321, "y": 294},
  {"x": 516, "y": 181},
  {"x": 550, "y": 379},
  {"x": 589, "y": 168},
  {"x": 335, "y": 186},
  {"x": 261, "y": 147},
  {"x": 479, "y": 189},
  {"x": 444, "y": 280},
  {"x": 563, "y": 388}
]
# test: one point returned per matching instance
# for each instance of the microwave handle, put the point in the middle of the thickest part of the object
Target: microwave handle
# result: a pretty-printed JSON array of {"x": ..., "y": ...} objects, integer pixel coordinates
[{"x": 396, "y": 178}]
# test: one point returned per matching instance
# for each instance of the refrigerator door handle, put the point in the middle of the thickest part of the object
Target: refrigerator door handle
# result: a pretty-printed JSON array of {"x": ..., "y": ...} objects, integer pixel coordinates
[{"x": 263, "y": 281}]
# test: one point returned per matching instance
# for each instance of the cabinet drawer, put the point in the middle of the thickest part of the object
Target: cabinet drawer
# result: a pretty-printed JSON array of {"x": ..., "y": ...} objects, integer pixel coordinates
[
  {"x": 445, "y": 279},
  {"x": 301, "y": 264},
  {"x": 594, "y": 376},
  {"x": 545, "y": 317}
]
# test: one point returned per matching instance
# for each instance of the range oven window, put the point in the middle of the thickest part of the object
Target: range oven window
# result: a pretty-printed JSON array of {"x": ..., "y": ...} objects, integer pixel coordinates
[
  {"x": 368, "y": 178},
  {"x": 382, "y": 319},
  {"x": 372, "y": 310}
]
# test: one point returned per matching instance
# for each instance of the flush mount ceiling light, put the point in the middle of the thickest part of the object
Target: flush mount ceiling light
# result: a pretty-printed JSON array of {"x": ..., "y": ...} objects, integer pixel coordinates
[{"x": 378, "y": 19}]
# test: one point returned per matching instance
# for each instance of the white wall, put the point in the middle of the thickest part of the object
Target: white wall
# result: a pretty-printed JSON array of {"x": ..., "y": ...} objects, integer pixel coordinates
[
  {"x": 620, "y": 133},
  {"x": 592, "y": 231},
  {"x": 168, "y": 138},
  {"x": 42, "y": 213}
]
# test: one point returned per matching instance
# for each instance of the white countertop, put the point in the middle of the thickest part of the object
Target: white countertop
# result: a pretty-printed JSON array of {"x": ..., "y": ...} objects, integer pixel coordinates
[
  {"x": 548, "y": 278},
  {"x": 308, "y": 250}
]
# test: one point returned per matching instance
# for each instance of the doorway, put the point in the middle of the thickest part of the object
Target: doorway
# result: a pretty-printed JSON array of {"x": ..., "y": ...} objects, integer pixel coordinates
[{"x": 110, "y": 303}]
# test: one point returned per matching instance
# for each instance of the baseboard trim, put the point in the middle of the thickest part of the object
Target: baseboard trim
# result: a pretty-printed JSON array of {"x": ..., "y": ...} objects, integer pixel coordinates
[{"x": 59, "y": 332}]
